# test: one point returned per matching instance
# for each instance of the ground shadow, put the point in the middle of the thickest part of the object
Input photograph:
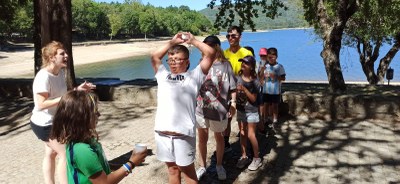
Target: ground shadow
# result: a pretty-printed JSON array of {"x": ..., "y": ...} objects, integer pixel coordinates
[
  {"x": 14, "y": 114},
  {"x": 117, "y": 162}
]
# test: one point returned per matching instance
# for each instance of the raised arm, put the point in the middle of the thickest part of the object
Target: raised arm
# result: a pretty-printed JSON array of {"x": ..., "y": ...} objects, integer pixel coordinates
[
  {"x": 209, "y": 53},
  {"x": 160, "y": 53}
]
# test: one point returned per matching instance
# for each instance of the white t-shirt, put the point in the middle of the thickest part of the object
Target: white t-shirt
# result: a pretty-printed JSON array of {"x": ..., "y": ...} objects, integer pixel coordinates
[
  {"x": 176, "y": 100},
  {"x": 56, "y": 86},
  {"x": 273, "y": 86}
]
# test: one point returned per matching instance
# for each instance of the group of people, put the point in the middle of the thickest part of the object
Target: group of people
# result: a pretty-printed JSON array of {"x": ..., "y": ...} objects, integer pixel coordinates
[
  {"x": 224, "y": 82},
  {"x": 189, "y": 103},
  {"x": 65, "y": 120}
]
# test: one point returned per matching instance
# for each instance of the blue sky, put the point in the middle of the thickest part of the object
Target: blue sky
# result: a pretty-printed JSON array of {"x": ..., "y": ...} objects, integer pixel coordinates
[{"x": 192, "y": 4}]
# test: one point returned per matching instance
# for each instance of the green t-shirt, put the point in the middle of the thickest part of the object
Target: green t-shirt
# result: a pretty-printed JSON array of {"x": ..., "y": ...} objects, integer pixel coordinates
[{"x": 88, "y": 159}]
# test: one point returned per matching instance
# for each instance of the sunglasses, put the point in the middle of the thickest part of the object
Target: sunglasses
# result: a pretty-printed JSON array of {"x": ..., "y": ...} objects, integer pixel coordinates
[{"x": 233, "y": 36}]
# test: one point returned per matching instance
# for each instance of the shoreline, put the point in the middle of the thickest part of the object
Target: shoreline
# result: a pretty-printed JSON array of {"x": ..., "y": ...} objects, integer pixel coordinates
[{"x": 19, "y": 64}]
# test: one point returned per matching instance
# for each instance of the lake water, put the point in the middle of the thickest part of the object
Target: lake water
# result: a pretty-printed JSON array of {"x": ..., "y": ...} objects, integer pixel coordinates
[{"x": 298, "y": 51}]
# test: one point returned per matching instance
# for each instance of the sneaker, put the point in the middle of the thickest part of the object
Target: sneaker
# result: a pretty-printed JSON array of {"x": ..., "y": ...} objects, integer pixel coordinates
[
  {"x": 243, "y": 161},
  {"x": 227, "y": 148},
  {"x": 221, "y": 172},
  {"x": 255, "y": 164},
  {"x": 200, "y": 172}
]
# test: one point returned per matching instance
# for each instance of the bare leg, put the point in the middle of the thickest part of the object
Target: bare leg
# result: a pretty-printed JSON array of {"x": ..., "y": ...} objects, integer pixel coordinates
[
  {"x": 62, "y": 160},
  {"x": 260, "y": 125},
  {"x": 174, "y": 174},
  {"x": 275, "y": 111},
  {"x": 49, "y": 162},
  {"x": 189, "y": 173},
  {"x": 270, "y": 110},
  {"x": 227, "y": 132},
  {"x": 243, "y": 137},
  {"x": 252, "y": 137},
  {"x": 219, "y": 139},
  {"x": 203, "y": 139}
]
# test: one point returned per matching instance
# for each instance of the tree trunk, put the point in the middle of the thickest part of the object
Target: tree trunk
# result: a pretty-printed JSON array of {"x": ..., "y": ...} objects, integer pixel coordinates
[
  {"x": 385, "y": 61},
  {"x": 330, "y": 55},
  {"x": 332, "y": 35},
  {"x": 52, "y": 21},
  {"x": 368, "y": 69},
  {"x": 368, "y": 58}
]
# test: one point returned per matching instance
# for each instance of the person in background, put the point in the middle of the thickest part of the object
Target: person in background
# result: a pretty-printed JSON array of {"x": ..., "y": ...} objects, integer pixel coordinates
[
  {"x": 48, "y": 87},
  {"x": 75, "y": 126},
  {"x": 250, "y": 49},
  {"x": 247, "y": 111},
  {"x": 233, "y": 54},
  {"x": 274, "y": 74},
  {"x": 263, "y": 53},
  {"x": 175, "y": 132},
  {"x": 213, "y": 108}
]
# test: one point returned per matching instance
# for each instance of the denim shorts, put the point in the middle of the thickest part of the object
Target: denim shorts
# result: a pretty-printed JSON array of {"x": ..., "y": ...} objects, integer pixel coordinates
[{"x": 250, "y": 117}]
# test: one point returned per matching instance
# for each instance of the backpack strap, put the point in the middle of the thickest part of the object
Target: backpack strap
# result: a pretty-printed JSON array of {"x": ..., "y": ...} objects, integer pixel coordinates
[{"x": 71, "y": 156}]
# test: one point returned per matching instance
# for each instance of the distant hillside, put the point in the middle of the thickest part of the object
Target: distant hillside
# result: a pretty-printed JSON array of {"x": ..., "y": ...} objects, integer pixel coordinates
[{"x": 291, "y": 18}]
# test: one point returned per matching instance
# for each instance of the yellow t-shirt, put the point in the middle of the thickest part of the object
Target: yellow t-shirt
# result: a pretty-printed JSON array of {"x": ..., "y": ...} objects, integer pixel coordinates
[{"x": 234, "y": 58}]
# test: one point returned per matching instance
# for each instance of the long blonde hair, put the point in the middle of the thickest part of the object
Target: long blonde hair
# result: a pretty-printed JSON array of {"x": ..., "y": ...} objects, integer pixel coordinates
[{"x": 49, "y": 51}]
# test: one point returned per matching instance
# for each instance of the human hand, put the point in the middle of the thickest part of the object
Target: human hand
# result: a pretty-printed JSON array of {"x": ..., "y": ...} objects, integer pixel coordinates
[
  {"x": 240, "y": 87},
  {"x": 86, "y": 86},
  {"x": 272, "y": 75},
  {"x": 177, "y": 39},
  {"x": 188, "y": 37},
  {"x": 138, "y": 157}
]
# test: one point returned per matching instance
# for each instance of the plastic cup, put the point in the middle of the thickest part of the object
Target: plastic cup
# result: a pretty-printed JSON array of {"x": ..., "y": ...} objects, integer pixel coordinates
[{"x": 140, "y": 147}]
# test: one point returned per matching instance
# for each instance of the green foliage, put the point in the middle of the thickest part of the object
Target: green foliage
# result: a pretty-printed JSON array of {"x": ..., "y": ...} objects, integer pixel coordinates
[
  {"x": 147, "y": 22},
  {"x": 291, "y": 17},
  {"x": 9, "y": 11},
  {"x": 246, "y": 11},
  {"x": 89, "y": 19},
  {"x": 130, "y": 18},
  {"x": 376, "y": 21},
  {"x": 23, "y": 21},
  {"x": 137, "y": 19},
  {"x": 115, "y": 23}
]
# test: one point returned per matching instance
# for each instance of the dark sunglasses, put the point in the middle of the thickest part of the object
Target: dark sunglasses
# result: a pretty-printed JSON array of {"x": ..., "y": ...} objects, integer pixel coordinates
[{"x": 233, "y": 36}]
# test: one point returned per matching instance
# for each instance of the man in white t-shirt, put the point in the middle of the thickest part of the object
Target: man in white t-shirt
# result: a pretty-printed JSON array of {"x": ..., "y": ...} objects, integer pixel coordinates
[{"x": 175, "y": 134}]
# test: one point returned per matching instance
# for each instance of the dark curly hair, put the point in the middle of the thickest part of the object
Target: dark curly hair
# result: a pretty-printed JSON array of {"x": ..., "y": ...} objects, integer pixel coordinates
[{"x": 76, "y": 118}]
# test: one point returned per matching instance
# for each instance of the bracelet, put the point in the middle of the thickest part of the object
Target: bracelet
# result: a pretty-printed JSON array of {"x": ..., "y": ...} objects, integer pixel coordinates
[
  {"x": 133, "y": 164},
  {"x": 127, "y": 168}
]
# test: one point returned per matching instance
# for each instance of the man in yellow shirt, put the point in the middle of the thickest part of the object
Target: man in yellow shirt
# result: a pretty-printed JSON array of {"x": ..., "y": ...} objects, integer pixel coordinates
[
  {"x": 233, "y": 54},
  {"x": 235, "y": 51}
]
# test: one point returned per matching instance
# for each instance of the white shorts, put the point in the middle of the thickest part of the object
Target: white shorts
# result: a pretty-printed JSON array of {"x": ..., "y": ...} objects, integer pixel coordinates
[
  {"x": 215, "y": 126},
  {"x": 251, "y": 117},
  {"x": 178, "y": 149}
]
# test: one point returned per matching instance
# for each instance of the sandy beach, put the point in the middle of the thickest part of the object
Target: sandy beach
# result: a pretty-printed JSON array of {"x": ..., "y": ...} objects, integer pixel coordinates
[{"x": 19, "y": 64}]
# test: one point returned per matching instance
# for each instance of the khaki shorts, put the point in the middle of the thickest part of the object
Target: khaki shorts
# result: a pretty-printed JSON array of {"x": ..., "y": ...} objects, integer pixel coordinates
[{"x": 215, "y": 126}]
